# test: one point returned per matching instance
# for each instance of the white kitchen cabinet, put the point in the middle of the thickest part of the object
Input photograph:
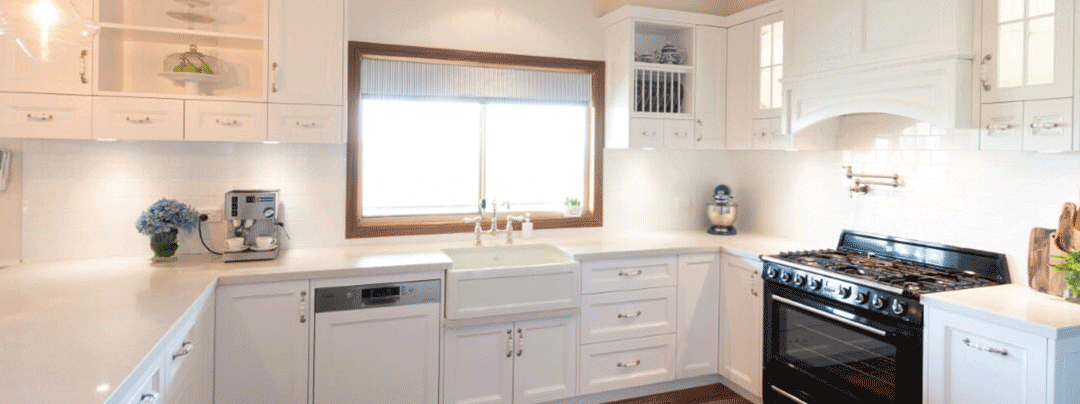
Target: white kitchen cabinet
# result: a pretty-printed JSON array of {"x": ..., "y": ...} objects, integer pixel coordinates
[
  {"x": 697, "y": 350},
  {"x": 679, "y": 134},
  {"x": 406, "y": 361},
  {"x": 646, "y": 133},
  {"x": 307, "y": 51},
  {"x": 305, "y": 124},
  {"x": 742, "y": 321},
  {"x": 740, "y": 85},
  {"x": 520, "y": 362},
  {"x": 189, "y": 360},
  {"x": 968, "y": 359},
  {"x": 627, "y": 363},
  {"x": 224, "y": 121},
  {"x": 69, "y": 73},
  {"x": 149, "y": 385},
  {"x": 769, "y": 47},
  {"x": 1036, "y": 126},
  {"x": 261, "y": 343},
  {"x": 628, "y": 274},
  {"x": 710, "y": 105},
  {"x": 1027, "y": 50},
  {"x": 138, "y": 118},
  {"x": 45, "y": 116}
]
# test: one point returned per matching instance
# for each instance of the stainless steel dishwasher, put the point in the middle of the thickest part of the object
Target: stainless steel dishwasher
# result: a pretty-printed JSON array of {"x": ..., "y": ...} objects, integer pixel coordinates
[{"x": 377, "y": 343}]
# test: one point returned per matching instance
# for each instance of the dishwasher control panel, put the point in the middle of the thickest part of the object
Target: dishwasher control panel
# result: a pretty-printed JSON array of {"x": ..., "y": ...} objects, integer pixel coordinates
[{"x": 358, "y": 297}]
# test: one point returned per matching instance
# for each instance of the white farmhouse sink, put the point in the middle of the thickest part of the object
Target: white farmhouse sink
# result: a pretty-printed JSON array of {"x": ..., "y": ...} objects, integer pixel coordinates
[{"x": 506, "y": 280}]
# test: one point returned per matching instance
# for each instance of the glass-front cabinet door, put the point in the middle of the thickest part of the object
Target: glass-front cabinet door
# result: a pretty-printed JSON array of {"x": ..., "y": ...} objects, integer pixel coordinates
[{"x": 1027, "y": 50}]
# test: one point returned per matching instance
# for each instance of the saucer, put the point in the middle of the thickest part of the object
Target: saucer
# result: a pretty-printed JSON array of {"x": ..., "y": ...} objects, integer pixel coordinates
[
  {"x": 241, "y": 249},
  {"x": 256, "y": 248}
]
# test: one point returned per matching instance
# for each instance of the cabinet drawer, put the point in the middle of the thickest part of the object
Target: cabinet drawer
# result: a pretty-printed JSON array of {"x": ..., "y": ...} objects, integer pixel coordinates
[
  {"x": 305, "y": 124},
  {"x": 630, "y": 363},
  {"x": 625, "y": 315},
  {"x": 147, "y": 382},
  {"x": 138, "y": 118},
  {"x": 216, "y": 121},
  {"x": 44, "y": 116},
  {"x": 646, "y": 133},
  {"x": 679, "y": 134},
  {"x": 1002, "y": 126},
  {"x": 1048, "y": 125},
  {"x": 628, "y": 274}
]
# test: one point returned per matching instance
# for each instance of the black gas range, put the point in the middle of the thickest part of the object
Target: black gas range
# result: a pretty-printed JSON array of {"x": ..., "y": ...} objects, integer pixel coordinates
[{"x": 845, "y": 325}]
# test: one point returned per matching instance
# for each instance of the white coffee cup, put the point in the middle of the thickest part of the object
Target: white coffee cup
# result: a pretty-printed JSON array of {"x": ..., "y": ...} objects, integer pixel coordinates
[
  {"x": 234, "y": 244},
  {"x": 265, "y": 242}
]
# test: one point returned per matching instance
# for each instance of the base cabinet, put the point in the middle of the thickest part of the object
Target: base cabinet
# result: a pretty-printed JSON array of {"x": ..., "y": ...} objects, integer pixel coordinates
[
  {"x": 967, "y": 360},
  {"x": 189, "y": 361},
  {"x": 698, "y": 316},
  {"x": 261, "y": 344},
  {"x": 742, "y": 322},
  {"x": 522, "y": 362}
]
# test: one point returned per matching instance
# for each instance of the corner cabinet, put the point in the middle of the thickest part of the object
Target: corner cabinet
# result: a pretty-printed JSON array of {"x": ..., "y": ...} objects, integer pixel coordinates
[
  {"x": 968, "y": 360},
  {"x": 522, "y": 362},
  {"x": 743, "y": 323},
  {"x": 1027, "y": 75},
  {"x": 672, "y": 103},
  {"x": 262, "y": 343}
]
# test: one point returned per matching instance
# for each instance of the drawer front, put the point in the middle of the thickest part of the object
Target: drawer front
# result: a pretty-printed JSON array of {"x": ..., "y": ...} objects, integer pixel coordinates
[
  {"x": 305, "y": 124},
  {"x": 624, "y": 364},
  {"x": 44, "y": 116},
  {"x": 628, "y": 274},
  {"x": 625, "y": 315},
  {"x": 646, "y": 133},
  {"x": 679, "y": 134},
  {"x": 138, "y": 118},
  {"x": 1048, "y": 125},
  {"x": 215, "y": 121},
  {"x": 147, "y": 386}
]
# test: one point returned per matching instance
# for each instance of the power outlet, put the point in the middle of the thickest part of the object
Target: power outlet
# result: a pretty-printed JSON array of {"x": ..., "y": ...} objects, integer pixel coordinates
[{"x": 213, "y": 215}]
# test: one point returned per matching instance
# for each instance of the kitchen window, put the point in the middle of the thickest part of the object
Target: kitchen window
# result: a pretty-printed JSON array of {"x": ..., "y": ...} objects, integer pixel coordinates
[{"x": 432, "y": 132}]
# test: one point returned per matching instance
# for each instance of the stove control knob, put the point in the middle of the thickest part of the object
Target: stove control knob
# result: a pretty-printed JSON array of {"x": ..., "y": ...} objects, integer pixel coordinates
[
  {"x": 845, "y": 292},
  {"x": 862, "y": 297},
  {"x": 800, "y": 280},
  {"x": 898, "y": 307},
  {"x": 879, "y": 303},
  {"x": 786, "y": 277},
  {"x": 771, "y": 272},
  {"x": 815, "y": 284}
]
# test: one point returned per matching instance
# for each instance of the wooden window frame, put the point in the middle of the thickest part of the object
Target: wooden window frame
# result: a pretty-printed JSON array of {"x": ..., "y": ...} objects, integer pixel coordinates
[{"x": 358, "y": 227}]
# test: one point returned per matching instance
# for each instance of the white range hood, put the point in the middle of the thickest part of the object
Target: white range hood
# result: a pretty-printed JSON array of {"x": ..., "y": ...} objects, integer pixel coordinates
[{"x": 911, "y": 58}]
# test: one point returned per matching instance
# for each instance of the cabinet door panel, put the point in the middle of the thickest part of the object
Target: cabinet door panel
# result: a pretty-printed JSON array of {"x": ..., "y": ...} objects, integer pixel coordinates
[
  {"x": 44, "y": 116},
  {"x": 1048, "y": 125},
  {"x": 710, "y": 87},
  {"x": 629, "y": 363},
  {"x": 214, "y": 121},
  {"x": 261, "y": 343},
  {"x": 646, "y": 133},
  {"x": 698, "y": 315},
  {"x": 628, "y": 274},
  {"x": 1027, "y": 49},
  {"x": 741, "y": 331},
  {"x": 545, "y": 363},
  {"x": 1002, "y": 126},
  {"x": 740, "y": 86},
  {"x": 307, "y": 51},
  {"x": 69, "y": 73},
  {"x": 404, "y": 368},
  {"x": 478, "y": 364},
  {"x": 305, "y": 124},
  {"x": 678, "y": 134}
]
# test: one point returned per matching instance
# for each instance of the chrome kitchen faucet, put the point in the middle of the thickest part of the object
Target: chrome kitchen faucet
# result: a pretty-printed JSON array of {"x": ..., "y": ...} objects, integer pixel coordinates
[{"x": 478, "y": 229}]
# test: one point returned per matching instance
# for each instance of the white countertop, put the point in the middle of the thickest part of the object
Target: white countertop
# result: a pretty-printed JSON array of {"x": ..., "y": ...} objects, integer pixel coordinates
[
  {"x": 1014, "y": 306},
  {"x": 71, "y": 331}
]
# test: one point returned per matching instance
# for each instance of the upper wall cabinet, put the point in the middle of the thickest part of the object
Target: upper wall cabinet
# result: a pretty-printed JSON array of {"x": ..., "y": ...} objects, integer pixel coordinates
[
  {"x": 769, "y": 44},
  {"x": 1027, "y": 50},
  {"x": 665, "y": 69},
  {"x": 69, "y": 73},
  {"x": 300, "y": 72},
  {"x": 903, "y": 57}
]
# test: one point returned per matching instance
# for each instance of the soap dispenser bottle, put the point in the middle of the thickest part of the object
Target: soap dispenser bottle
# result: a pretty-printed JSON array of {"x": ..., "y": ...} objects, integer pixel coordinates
[{"x": 527, "y": 226}]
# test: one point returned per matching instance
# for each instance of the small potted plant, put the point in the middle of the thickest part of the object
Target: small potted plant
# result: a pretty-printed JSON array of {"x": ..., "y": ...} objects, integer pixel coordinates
[
  {"x": 162, "y": 221},
  {"x": 571, "y": 207},
  {"x": 1070, "y": 265}
]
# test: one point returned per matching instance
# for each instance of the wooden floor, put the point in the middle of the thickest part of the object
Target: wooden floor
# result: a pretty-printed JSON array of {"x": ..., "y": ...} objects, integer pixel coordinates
[{"x": 711, "y": 394}]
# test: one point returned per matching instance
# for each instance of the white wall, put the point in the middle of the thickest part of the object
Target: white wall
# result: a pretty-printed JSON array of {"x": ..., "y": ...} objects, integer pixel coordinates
[{"x": 11, "y": 208}]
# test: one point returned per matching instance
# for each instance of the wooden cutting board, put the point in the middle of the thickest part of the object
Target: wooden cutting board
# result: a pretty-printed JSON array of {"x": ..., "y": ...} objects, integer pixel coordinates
[
  {"x": 1039, "y": 259},
  {"x": 1065, "y": 226}
]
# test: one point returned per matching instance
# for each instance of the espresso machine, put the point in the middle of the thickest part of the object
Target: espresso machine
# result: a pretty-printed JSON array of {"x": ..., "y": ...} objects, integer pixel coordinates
[
  {"x": 721, "y": 212},
  {"x": 252, "y": 215}
]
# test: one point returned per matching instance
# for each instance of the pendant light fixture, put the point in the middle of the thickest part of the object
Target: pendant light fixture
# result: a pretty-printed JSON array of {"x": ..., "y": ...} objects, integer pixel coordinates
[{"x": 45, "y": 30}]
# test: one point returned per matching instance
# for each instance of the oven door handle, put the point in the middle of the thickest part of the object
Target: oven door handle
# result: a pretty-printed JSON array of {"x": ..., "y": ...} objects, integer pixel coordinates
[
  {"x": 830, "y": 316},
  {"x": 788, "y": 395}
]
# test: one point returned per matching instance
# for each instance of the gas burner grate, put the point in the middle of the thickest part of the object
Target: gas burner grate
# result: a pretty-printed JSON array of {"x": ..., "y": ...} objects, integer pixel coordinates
[{"x": 912, "y": 277}]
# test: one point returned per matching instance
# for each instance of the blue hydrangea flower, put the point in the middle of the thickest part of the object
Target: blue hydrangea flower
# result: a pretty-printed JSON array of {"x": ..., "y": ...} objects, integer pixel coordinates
[{"x": 165, "y": 216}]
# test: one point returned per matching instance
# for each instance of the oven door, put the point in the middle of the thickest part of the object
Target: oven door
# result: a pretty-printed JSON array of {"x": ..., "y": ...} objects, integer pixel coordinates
[{"x": 821, "y": 351}]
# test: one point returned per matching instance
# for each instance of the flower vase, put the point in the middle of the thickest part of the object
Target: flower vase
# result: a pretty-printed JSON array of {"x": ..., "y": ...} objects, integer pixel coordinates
[
  {"x": 1069, "y": 296},
  {"x": 164, "y": 246}
]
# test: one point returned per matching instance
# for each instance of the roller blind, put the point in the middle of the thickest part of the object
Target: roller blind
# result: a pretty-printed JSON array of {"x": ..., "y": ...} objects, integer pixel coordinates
[{"x": 392, "y": 77}]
